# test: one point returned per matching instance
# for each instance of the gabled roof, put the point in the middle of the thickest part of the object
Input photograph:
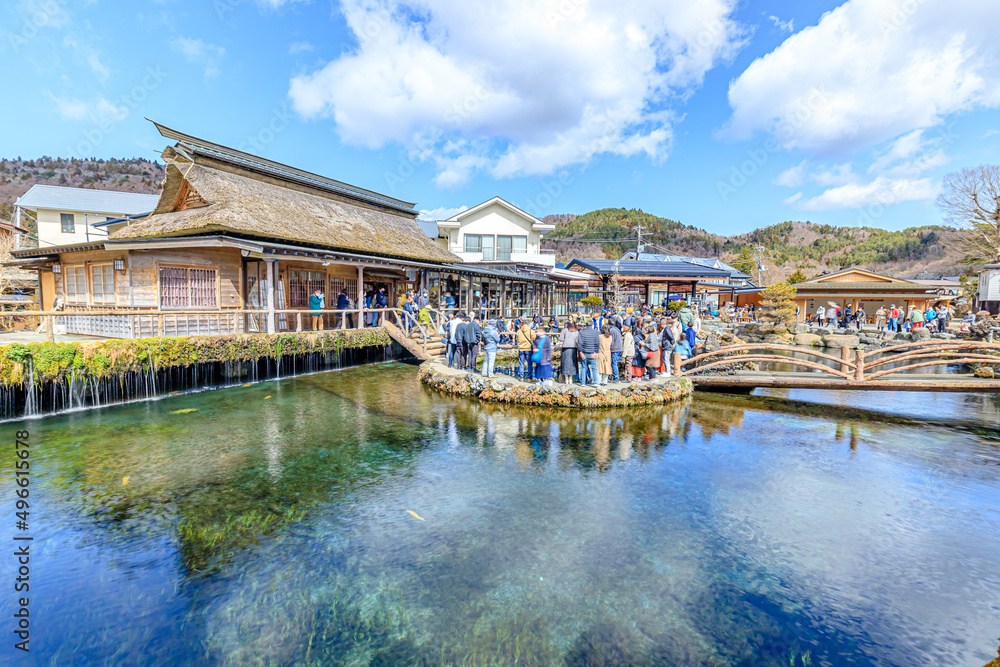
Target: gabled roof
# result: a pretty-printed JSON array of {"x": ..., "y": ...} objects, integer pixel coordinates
[
  {"x": 86, "y": 200},
  {"x": 191, "y": 146},
  {"x": 711, "y": 262},
  {"x": 605, "y": 267},
  {"x": 879, "y": 277},
  {"x": 204, "y": 196},
  {"x": 536, "y": 224}
]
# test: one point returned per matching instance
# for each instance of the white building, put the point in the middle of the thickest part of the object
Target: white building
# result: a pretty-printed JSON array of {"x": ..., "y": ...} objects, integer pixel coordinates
[
  {"x": 68, "y": 216},
  {"x": 495, "y": 231}
]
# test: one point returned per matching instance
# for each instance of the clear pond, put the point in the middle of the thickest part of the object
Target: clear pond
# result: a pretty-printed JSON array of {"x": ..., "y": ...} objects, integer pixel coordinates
[{"x": 354, "y": 517}]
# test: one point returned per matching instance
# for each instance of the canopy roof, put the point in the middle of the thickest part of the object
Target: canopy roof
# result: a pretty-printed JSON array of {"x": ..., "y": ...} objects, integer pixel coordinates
[{"x": 654, "y": 269}]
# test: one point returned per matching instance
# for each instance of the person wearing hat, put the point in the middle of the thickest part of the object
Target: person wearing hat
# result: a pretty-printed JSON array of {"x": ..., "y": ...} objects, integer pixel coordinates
[
  {"x": 893, "y": 318},
  {"x": 491, "y": 342}
]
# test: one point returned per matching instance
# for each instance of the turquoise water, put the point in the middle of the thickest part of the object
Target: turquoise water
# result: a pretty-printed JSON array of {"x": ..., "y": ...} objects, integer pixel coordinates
[{"x": 273, "y": 525}]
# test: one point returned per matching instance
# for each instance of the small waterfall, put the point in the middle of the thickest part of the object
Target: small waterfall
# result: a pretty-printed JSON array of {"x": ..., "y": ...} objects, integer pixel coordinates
[{"x": 76, "y": 390}]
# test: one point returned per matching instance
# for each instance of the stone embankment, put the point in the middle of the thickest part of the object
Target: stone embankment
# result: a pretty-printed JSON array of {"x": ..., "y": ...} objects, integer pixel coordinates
[
  {"x": 505, "y": 389},
  {"x": 812, "y": 336}
]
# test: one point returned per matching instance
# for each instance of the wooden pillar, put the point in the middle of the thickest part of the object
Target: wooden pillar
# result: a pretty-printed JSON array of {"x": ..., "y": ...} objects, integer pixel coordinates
[
  {"x": 503, "y": 299},
  {"x": 845, "y": 355},
  {"x": 361, "y": 298},
  {"x": 272, "y": 277}
]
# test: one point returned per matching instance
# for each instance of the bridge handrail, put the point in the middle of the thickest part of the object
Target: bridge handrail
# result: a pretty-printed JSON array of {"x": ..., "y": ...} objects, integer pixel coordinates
[
  {"x": 771, "y": 358},
  {"x": 955, "y": 344},
  {"x": 923, "y": 364},
  {"x": 929, "y": 352},
  {"x": 766, "y": 346}
]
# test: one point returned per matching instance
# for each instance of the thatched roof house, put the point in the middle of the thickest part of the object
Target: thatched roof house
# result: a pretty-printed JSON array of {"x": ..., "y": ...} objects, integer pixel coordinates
[{"x": 211, "y": 189}]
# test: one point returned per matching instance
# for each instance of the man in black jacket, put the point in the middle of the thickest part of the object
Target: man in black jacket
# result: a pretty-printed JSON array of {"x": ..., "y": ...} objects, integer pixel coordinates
[
  {"x": 473, "y": 337},
  {"x": 587, "y": 345},
  {"x": 461, "y": 333}
]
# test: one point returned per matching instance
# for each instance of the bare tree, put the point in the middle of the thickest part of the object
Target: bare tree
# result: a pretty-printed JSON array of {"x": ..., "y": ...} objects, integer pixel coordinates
[{"x": 970, "y": 199}]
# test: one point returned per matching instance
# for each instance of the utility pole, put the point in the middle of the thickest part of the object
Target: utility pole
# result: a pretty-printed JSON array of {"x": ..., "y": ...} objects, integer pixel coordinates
[
  {"x": 760, "y": 265},
  {"x": 638, "y": 246}
]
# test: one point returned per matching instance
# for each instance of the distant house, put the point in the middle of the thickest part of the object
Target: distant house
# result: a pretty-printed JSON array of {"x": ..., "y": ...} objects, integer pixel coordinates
[
  {"x": 495, "y": 231},
  {"x": 67, "y": 216},
  {"x": 989, "y": 288},
  {"x": 856, "y": 287}
]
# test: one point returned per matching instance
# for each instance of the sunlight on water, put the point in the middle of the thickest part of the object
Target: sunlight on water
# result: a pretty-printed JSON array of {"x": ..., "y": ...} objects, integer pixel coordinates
[{"x": 357, "y": 518}]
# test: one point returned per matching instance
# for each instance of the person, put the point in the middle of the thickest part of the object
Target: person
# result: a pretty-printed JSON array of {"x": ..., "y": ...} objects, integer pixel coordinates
[
  {"x": 449, "y": 301},
  {"x": 461, "y": 333},
  {"x": 424, "y": 317},
  {"x": 541, "y": 349},
  {"x": 930, "y": 315},
  {"x": 942, "y": 318},
  {"x": 691, "y": 338},
  {"x": 343, "y": 304},
  {"x": 617, "y": 347},
  {"x": 893, "y": 318},
  {"x": 653, "y": 356},
  {"x": 453, "y": 325},
  {"x": 424, "y": 300},
  {"x": 491, "y": 342},
  {"x": 474, "y": 335},
  {"x": 628, "y": 351},
  {"x": 588, "y": 343},
  {"x": 401, "y": 301},
  {"x": 848, "y": 315},
  {"x": 880, "y": 318},
  {"x": 639, "y": 359},
  {"x": 316, "y": 302},
  {"x": 861, "y": 317},
  {"x": 916, "y": 318},
  {"x": 668, "y": 343},
  {"x": 604, "y": 355},
  {"x": 525, "y": 338},
  {"x": 567, "y": 343},
  {"x": 686, "y": 316},
  {"x": 381, "y": 301},
  {"x": 409, "y": 310},
  {"x": 820, "y": 315}
]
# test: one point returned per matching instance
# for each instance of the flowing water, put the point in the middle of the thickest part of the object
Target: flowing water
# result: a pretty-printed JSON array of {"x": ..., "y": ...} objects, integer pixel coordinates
[{"x": 354, "y": 517}]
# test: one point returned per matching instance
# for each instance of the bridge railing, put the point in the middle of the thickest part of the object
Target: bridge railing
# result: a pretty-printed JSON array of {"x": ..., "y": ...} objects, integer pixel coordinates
[{"x": 854, "y": 365}]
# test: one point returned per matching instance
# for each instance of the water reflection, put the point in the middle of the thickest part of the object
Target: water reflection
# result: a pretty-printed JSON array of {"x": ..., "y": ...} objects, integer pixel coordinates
[{"x": 721, "y": 530}]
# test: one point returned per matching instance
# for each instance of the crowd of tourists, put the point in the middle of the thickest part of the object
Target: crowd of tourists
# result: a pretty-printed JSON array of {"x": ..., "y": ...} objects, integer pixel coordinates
[
  {"x": 612, "y": 346},
  {"x": 885, "y": 318}
]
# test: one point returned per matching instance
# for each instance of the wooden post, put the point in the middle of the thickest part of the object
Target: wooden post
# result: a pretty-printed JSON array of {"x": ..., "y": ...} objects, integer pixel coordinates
[
  {"x": 361, "y": 297},
  {"x": 845, "y": 354},
  {"x": 298, "y": 321},
  {"x": 677, "y": 364},
  {"x": 50, "y": 328},
  {"x": 859, "y": 371},
  {"x": 159, "y": 325},
  {"x": 272, "y": 277}
]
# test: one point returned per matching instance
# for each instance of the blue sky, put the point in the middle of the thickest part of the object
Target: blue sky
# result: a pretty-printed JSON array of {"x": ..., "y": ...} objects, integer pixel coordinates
[{"x": 723, "y": 114}]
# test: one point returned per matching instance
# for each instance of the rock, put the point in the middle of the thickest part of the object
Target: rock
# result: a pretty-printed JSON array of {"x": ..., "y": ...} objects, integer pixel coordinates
[
  {"x": 801, "y": 328},
  {"x": 808, "y": 339},
  {"x": 823, "y": 331},
  {"x": 984, "y": 372},
  {"x": 775, "y": 338},
  {"x": 902, "y": 335},
  {"x": 923, "y": 333},
  {"x": 780, "y": 330},
  {"x": 496, "y": 386},
  {"x": 841, "y": 341},
  {"x": 943, "y": 336},
  {"x": 841, "y": 332}
]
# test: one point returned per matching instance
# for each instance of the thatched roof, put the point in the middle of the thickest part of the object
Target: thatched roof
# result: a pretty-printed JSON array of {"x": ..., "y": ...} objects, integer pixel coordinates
[{"x": 212, "y": 196}]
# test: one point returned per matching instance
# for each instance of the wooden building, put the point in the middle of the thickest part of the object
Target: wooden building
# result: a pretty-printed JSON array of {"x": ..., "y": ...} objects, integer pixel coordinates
[
  {"x": 857, "y": 287},
  {"x": 647, "y": 282},
  {"x": 238, "y": 243}
]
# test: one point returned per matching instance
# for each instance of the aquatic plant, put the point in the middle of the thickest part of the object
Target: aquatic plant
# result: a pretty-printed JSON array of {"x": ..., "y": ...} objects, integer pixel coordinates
[{"x": 101, "y": 359}]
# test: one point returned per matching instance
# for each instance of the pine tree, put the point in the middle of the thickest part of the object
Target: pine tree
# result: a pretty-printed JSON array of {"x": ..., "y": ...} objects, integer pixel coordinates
[{"x": 778, "y": 301}]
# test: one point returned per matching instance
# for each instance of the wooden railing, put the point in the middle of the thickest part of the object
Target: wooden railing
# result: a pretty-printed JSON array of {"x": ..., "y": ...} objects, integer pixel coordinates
[{"x": 853, "y": 365}]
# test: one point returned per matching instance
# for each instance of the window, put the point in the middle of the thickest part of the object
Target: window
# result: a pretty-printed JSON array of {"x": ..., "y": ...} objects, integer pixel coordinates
[
  {"x": 480, "y": 243},
  {"x": 68, "y": 223},
  {"x": 182, "y": 287},
  {"x": 511, "y": 245},
  {"x": 75, "y": 284},
  {"x": 102, "y": 280},
  {"x": 301, "y": 285}
]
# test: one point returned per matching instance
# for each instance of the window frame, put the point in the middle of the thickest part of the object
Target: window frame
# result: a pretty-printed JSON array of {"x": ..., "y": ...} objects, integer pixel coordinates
[
  {"x": 188, "y": 268},
  {"x": 72, "y": 268},
  {"x": 92, "y": 291},
  {"x": 63, "y": 219},
  {"x": 510, "y": 251}
]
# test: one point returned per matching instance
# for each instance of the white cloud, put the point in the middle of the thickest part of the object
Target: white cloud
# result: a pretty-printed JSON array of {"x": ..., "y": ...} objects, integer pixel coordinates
[
  {"x": 794, "y": 198},
  {"x": 989, "y": 133},
  {"x": 69, "y": 109},
  {"x": 100, "y": 111},
  {"x": 514, "y": 87},
  {"x": 277, "y": 4},
  {"x": 785, "y": 26},
  {"x": 839, "y": 174},
  {"x": 296, "y": 48},
  {"x": 441, "y": 213},
  {"x": 197, "y": 51},
  {"x": 870, "y": 71},
  {"x": 792, "y": 177},
  {"x": 882, "y": 190}
]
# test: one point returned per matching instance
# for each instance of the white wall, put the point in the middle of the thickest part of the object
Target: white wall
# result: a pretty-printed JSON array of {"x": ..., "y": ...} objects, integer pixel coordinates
[
  {"x": 50, "y": 227},
  {"x": 494, "y": 220}
]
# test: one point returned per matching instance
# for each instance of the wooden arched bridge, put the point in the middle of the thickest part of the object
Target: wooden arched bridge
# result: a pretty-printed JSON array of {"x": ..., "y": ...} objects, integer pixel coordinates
[{"x": 893, "y": 368}]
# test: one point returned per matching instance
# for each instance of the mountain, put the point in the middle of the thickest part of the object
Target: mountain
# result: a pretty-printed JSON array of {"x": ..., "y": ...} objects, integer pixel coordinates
[
  {"x": 125, "y": 175},
  {"x": 787, "y": 246}
]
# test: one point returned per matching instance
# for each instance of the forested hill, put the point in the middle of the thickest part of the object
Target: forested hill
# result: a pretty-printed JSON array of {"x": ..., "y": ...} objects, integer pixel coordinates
[
  {"x": 125, "y": 175},
  {"x": 812, "y": 248}
]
